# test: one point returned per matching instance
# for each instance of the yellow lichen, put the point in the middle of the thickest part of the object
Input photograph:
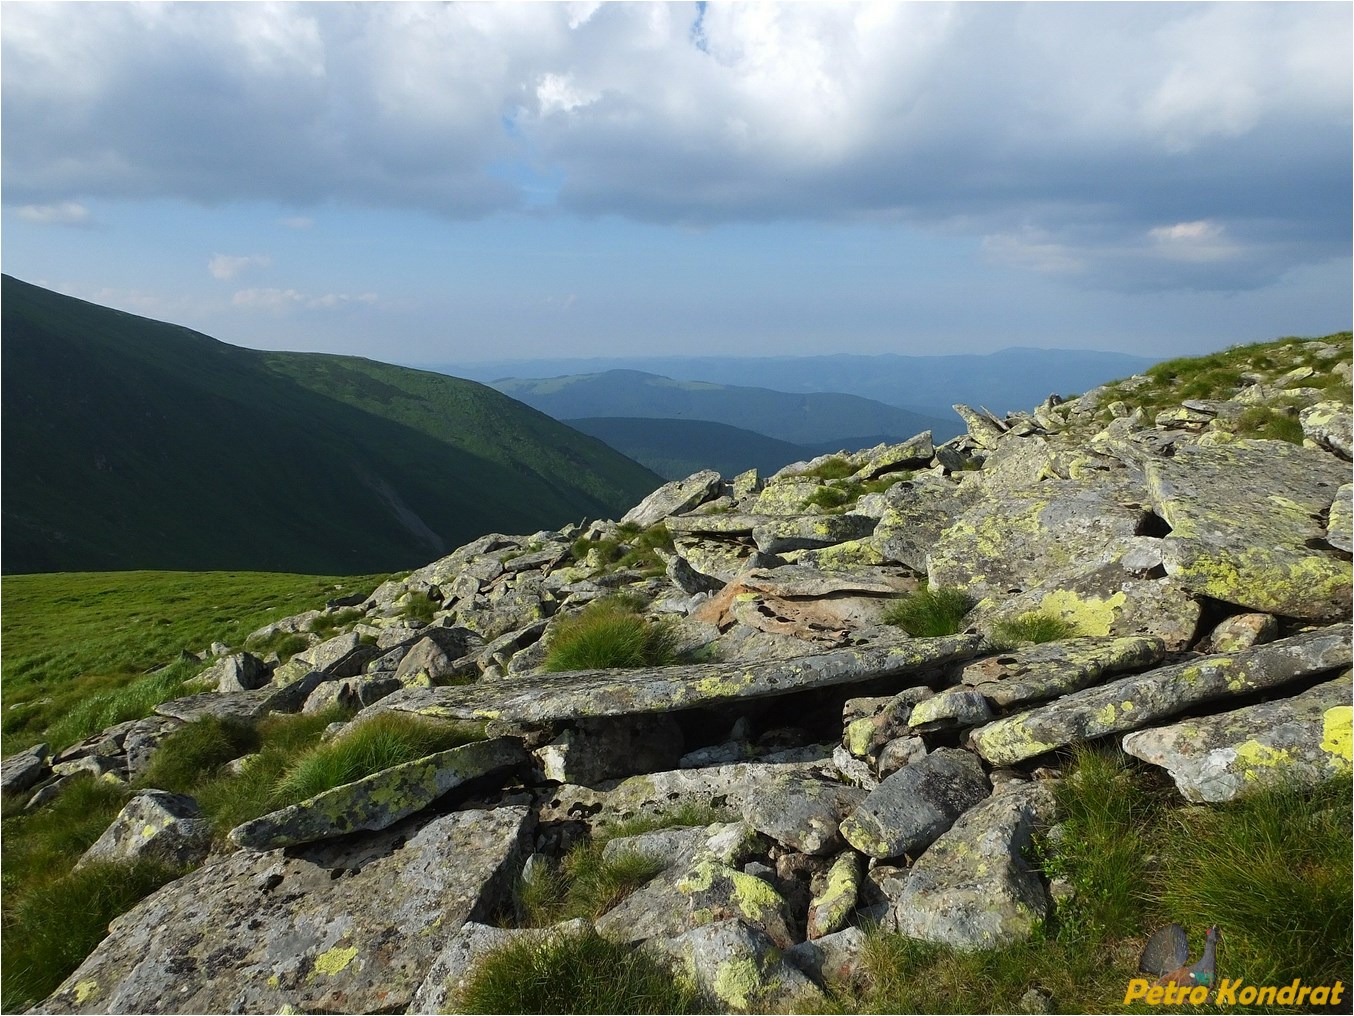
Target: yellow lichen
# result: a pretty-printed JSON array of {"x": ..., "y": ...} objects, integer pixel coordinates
[
  {"x": 1336, "y": 736},
  {"x": 85, "y": 990},
  {"x": 335, "y": 960},
  {"x": 1091, "y": 614}
]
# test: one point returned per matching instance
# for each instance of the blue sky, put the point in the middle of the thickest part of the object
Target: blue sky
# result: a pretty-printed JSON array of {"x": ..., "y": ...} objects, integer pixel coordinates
[{"x": 439, "y": 183}]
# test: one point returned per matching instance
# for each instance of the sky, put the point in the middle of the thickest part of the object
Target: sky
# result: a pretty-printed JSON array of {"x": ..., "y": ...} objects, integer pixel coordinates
[{"x": 442, "y": 183}]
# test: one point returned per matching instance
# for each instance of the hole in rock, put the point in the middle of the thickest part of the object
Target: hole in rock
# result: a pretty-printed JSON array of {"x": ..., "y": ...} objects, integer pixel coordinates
[{"x": 1152, "y": 524}]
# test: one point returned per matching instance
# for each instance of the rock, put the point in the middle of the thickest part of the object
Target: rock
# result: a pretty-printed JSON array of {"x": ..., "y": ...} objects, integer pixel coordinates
[
  {"x": 1057, "y": 668},
  {"x": 740, "y": 969},
  {"x": 236, "y": 672},
  {"x": 1330, "y": 425},
  {"x": 1244, "y": 518},
  {"x": 907, "y": 811},
  {"x": 972, "y": 889},
  {"x": 674, "y": 498},
  {"x": 948, "y": 710},
  {"x": 1008, "y": 543},
  {"x": 703, "y": 885},
  {"x": 887, "y": 719},
  {"x": 830, "y": 959},
  {"x": 914, "y": 453},
  {"x": 918, "y": 511},
  {"x": 25, "y": 769},
  {"x": 1340, "y": 527},
  {"x": 339, "y": 927},
  {"x": 595, "y": 750},
  {"x": 154, "y": 824},
  {"x": 1300, "y": 740},
  {"x": 428, "y": 658},
  {"x": 1132, "y": 702},
  {"x": 1241, "y": 631},
  {"x": 98, "y": 766},
  {"x": 686, "y": 578},
  {"x": 141, "y": 740},
  {"x": 801, "y": 532},
  {"x": 461, "y": 953},
  {"x": 853, "y": 770},
  {"x": 984, "y": 429},
  {"x": 831, "y": 909},
  {"x": 568, "y": 696},
  {"x": 803, "y": 812},
  {"x": 899, "y": 752},
  {"x": 379, "y": 800}
]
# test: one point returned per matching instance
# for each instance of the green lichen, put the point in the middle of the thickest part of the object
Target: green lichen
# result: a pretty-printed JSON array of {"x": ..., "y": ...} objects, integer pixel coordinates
[
  {"x": 753, "y": 896},
  {"x": 335, "y": 960},
  {"x": 737, "y": 982},
  {"x": 1252, "y": 755},
  {"x": 1092, "y": 615},
  {"x": 1337, "y": 739},
  {"x": 1009, "y": 740},
  {"x": 85, "y": 990}
]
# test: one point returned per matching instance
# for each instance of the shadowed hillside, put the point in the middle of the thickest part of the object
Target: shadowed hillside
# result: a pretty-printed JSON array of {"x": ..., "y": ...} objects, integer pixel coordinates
[{"x": 130, "y": 443}]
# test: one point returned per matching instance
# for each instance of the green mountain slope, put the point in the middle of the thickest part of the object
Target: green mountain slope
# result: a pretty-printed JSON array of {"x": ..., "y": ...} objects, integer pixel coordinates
[
  {"x": 674, "y": 449},
  {"x": 800, "y": 418},
  {"x": 130, "y": 443}
]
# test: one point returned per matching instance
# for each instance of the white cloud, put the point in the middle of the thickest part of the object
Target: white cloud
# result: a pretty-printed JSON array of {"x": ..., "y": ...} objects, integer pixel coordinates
[
  {"x": 297, "y": 222},
  {"x": 273, "y": 299},
  {"x": 229, "y": 266},
  {"x": 1013, "y": 122},
  {"x": 64, "y": 213}
]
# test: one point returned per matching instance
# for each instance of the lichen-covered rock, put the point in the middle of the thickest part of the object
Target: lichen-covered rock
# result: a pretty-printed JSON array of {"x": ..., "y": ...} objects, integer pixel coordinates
[
  {"x": 1132, "y": 702},
  {"x": 914, "y": 453},
  {"x": 675, "y": 497},
  {"x": 1241, "y": 631},
  {"x": 1300, "y": 740},
  {"x": 907, "y": 811},
  {"x": 567, "y": 696},
  {"x": 803, "y": 812},
  {"x": 831, "y": 959},
  {"x": 1056, "y": 668},
  {"x": 704, "y": 884},
  {"x": 1245, "y": 526},
  {"x": 326, "y": 654},
  {"x": 917, "y": 512},
  {"x": 1330, "y": 425},
  {"x": 351, "y": 926},
  {"x": 948, "y": 710},
  {"x": 830, "y": 910},
  {"x": 740, "y": 969},
  {"x": 982, "y": 426},
  {"x": 1340, "y": 524},
  {"x": 972, "y": 889},
  {"x": 801, "y": 532},
  {"x": 154, "y": 824},
  {"x": 379, "y": 800},
  {"x": 237, "y": 672}
]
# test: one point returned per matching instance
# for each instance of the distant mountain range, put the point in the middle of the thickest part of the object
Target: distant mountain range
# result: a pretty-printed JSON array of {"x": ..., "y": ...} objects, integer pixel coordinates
[
  {"x": 813, "y": 418},
  {"x": 133, "y": 444},
  {"x": 1009, "y": 379},
  {"x": 675, "y": 449}
]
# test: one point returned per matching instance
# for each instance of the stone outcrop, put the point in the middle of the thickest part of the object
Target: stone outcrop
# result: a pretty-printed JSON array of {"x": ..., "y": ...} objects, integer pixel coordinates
[{"x": 848, "y": 772}]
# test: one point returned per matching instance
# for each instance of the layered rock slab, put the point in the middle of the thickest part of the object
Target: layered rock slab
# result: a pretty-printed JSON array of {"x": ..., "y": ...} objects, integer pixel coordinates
[
  {"x": 345, "y": 927},
  {"x": 1132, "y": 702},
  {"x": 1246, "y": 526},
  {"x": 1300, "y": 740},
  {"x": 567, "y": 696},
  {"x": 1056, "y": 668}
]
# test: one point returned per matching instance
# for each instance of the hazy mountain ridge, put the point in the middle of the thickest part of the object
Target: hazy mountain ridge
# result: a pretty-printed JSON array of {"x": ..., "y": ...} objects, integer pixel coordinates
[
  {"x": 131, "y": 443},
  {"x": 1008, "y": 379}
]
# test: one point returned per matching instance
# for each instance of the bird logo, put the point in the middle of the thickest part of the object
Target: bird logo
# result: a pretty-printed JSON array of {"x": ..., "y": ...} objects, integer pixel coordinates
[{"x": 1167, "y": 955}]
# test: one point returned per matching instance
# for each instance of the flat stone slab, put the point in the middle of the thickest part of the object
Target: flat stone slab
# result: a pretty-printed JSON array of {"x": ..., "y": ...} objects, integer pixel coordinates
[
  {"x": 343, "y": 927},
  {"x": 554, "y": 697},
  {"x": 1056, "y": 668},
  {"x": 803, "y": 813},
  {"x": 1132, "y": 702},
  {"x": 1245, "y": 526},
  {"x": 1304, "y": 739},
  {"x": 379, "y": 800},
  {"x": 672, "y": 498},
  {"x": 972, "y": 888},
  {"x": 26, "y": 769},
  {"x": 910, "y": 809}
]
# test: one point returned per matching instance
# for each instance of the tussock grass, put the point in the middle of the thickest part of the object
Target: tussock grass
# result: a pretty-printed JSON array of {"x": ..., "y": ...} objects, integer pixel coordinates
[
  {"x": 928, "y": 613},
  {"x": 1272, "y": 423},
  {"x": 609, "y": 633},
  {"x": 196, "y": 750},
  {"x": 834, "y": 468},
  {"x": 575, "y": 974},
  {"x": 388, "y": 739},
  {"x": 132, "y": 701},
  {"x": 52, "y": 926},
  {"x": 1034, "y": 627},
  {"x": 285, "y": 644},
  {"x": 631, "y": 547}
]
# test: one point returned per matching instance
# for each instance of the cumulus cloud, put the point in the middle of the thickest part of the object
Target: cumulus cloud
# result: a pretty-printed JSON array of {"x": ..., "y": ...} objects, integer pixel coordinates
[
  {"x": 229, "y": 266},
  {"x": 63, "y": 213},
  {"x": 1061, "y": 134}
]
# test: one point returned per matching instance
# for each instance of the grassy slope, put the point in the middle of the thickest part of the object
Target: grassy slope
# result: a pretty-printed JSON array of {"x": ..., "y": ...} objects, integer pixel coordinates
[
  {"x": 69, "y": 636},
  {"x": 674, "y": 449},
  {"x": 798, "y": 418},
  {"x": 133, "y": 443}
]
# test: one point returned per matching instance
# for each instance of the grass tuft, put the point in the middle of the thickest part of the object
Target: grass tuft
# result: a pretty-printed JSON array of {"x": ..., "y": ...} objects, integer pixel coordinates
[
  {"x": 1034, "y": 627},
  {"x": 609, "y": 633},
  {"x": 575, "y": 974},
  {"x": 132, "y": 701},
  {"x": 928, "y": 613},
  {"x": 196, "y": 750}
]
